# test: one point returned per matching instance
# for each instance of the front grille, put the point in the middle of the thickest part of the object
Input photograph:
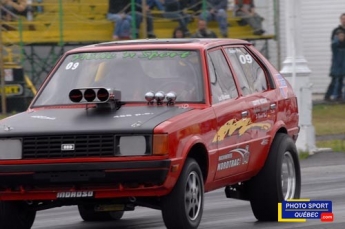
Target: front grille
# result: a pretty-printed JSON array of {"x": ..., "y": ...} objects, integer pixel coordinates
[{"x": 84, "y": 146}]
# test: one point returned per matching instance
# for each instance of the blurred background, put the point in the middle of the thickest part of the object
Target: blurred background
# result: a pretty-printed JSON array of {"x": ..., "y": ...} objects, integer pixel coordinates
[{"x": 31, "y": 41}]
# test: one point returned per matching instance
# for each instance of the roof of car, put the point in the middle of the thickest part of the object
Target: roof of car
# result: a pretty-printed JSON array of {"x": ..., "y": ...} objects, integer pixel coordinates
[{"x": 165, "y": 43}]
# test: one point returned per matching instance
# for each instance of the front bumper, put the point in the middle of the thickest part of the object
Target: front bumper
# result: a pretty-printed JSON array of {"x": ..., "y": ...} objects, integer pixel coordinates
[{"x": 112, "y": 176}]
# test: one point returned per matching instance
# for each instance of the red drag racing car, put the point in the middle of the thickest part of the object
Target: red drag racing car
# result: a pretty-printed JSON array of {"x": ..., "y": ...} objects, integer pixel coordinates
[{"x": 153, "y": 123}]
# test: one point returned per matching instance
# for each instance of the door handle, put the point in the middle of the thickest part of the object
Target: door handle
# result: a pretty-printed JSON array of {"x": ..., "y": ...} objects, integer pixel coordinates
[{"x": 244, "y": 114}]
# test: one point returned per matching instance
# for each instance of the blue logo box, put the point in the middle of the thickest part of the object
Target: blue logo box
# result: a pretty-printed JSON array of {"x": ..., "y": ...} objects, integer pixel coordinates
[{"x": 305, "y": 209}]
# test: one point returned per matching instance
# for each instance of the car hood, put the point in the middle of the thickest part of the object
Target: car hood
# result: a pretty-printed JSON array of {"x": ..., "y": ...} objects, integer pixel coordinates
[{"x": 140, "y": 119}]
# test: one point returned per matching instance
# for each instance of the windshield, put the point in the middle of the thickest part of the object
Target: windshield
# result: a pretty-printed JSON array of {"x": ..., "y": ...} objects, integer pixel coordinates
[{"x": 134, "y": 73}]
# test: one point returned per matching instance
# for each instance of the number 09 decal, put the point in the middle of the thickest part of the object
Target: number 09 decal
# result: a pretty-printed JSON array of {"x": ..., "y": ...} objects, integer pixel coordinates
[
  {"x": 244, "y": 59},
  {"x": 72, "y": 65}
]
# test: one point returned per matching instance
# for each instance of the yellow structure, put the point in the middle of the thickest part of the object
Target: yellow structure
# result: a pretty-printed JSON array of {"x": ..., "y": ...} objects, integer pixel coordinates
[{"x": 66, "y": 21}]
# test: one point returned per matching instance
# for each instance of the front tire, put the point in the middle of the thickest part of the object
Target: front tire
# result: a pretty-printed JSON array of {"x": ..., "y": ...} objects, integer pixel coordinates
[
  {"x": 16, "y": 215},
  {"x": 88, "y": 214},
  {"x": 183, "y": 207},
  {"x": 278, "y": 180}
]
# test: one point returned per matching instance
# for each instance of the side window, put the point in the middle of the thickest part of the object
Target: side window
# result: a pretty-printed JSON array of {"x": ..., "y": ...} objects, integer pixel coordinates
[
  {"x": 251, "y": 76},
  {"x": 221, "y": 79}
]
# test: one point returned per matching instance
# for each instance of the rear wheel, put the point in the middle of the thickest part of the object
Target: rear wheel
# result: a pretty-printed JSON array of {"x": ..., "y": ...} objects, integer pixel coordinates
[
  {"x": 279, "y": 179},
  {"x": 16, "y": 215},
  {"x": 183, "y": 207},
  {"x": 88, "y": 213}
]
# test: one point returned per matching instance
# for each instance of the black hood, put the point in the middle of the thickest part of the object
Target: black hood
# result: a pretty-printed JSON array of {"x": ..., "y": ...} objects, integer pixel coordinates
[{"x": 139, "y": 119}]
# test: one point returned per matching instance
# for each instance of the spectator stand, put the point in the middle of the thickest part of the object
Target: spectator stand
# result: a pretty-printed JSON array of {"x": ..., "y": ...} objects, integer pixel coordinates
[{"x": 58, "y": 25}]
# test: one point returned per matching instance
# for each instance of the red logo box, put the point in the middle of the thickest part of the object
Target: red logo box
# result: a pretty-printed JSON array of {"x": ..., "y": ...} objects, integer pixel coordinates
[{"x": 327, "y": 217}]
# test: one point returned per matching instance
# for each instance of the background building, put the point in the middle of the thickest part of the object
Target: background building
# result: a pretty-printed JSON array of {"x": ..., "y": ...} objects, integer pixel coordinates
[{"x": 318, "y": 19}]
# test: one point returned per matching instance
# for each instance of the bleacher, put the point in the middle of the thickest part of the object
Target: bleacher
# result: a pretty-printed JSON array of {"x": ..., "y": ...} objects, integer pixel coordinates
[
  {"x": 75, "y": 21},
  {"x": 62, "y": 21},
  {"x": 63, "y": 24}
]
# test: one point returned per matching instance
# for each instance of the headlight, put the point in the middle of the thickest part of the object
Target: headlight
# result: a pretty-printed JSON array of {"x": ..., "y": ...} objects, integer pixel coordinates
[
  {"x": 133, "y": 145},
  {"x": 10, "y": 149}
]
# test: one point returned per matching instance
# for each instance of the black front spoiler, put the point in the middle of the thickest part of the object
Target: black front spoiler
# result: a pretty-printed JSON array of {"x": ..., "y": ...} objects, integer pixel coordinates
[{"x": 140, "y": 172}]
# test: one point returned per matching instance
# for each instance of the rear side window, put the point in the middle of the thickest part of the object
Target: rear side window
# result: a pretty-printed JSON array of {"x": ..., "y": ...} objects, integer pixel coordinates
[
  {"x": 251, "y": 76},
  {"x": 222, "y": 82}
]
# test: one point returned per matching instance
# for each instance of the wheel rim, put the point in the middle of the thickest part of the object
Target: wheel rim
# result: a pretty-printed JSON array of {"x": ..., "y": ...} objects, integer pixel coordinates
[
  {"x": 193, "y": 196},
  {"x": 288, "y": 176}
]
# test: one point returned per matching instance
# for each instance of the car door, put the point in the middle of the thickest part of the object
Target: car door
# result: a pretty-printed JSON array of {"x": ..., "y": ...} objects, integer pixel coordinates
[
  {"x": 259, "y": 96},
  {"x": 231, "y": 111}
]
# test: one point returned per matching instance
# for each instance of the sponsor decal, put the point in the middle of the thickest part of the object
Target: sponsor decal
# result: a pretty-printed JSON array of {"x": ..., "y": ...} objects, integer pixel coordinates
[
  {"x": 143, "y": 54},
  {"x": 232, "y": 51},
  {"x": 14, "y": 89},
  {"x": 228, "y": 160},
  {"x": 299, "y": 210},
  {"x": 67, "y": 147},
  {"x": 133, "y": 115},
  {"x": 242, "y": 126},
  {"x": 223, "y": 97},
  {"x": 94, "y": 56},
  {"x": 163, "y": 54},
  {"x": 183, "y": 106},
  {"x": 74, "y": 194},
  {"x": 258, "y": 102},
  {"x": 136, "y": 124},
  {"x": 43, "y": 117},
  {"x": 282, "y": 85},
  {"x": 260, "y": 109},
  {"x": 228, "y": 164},
  {"x": 261, "y": 115},
  {"x": 8, "y": 128},
  {"x": 155, "y": 54},
  {"x": 264, "y": 142}
]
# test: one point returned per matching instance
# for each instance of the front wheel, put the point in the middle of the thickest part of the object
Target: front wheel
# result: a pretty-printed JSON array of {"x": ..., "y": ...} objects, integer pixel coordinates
[
  {"x": 279, "y": 179},
  {"x": 183, "y": 207},
  {"x": 16, "y": 215}
]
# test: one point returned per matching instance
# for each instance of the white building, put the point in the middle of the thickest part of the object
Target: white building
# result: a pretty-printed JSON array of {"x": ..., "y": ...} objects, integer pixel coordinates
[{"x": 319, "y": 18}]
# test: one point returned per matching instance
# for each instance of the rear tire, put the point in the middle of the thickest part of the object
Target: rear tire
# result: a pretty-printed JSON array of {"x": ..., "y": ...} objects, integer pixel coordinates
[
  {"x": 88, "y": 214},
  {"x": 183, "y": 207},
  {"x": 16, "y": 215},
  {"x": 279, "y": 179}
]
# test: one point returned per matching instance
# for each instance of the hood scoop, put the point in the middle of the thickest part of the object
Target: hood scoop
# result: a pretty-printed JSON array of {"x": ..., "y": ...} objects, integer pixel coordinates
[{"x": 104, "y": 98}]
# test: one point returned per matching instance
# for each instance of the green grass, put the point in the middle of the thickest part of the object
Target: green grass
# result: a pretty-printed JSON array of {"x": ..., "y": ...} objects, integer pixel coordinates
[
  {"x": 303, "y": 155},
  {"x": 335, "y": 145},
  {"x": 3, "y": 116},
  {"x": 330, "y": 119}
]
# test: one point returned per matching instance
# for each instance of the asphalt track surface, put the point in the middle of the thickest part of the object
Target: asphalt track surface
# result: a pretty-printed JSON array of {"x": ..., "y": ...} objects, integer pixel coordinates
[{"x": 323, "y": 178}]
